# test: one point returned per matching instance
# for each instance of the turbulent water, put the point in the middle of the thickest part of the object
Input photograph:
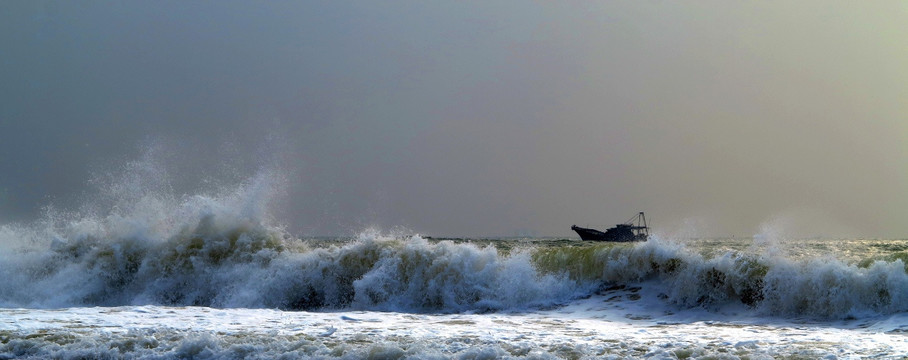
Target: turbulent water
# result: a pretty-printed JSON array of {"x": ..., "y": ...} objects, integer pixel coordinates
[{"x": 211, "y": 276}]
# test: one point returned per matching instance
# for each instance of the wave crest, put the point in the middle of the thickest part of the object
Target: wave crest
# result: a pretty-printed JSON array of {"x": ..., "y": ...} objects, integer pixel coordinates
[{"x": 151, "y": 247}]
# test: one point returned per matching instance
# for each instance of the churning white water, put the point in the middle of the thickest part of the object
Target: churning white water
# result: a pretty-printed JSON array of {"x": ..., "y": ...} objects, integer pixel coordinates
[{"x": 159, "y": 276}]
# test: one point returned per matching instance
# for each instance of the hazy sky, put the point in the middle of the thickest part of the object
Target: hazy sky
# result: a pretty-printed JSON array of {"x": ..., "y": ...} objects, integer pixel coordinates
[{"x": 475, "y": 118}]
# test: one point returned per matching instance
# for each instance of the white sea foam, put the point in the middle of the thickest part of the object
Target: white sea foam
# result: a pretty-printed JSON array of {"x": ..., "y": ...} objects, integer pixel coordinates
[
  {"x": 223, "y": 250},
  {"x": 147, "y": 273},
  {"x": 584, "y": 329}
]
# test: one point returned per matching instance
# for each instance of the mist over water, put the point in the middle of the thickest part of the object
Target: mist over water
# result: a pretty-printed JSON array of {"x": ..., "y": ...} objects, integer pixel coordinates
[
  {"x": 223, "y": 248},
  {"x": 328, "y": 179},
  {"x": 175, "y": 269},
  {"x": 139, "y": 243},
  {"x": 476, "y": 119}
]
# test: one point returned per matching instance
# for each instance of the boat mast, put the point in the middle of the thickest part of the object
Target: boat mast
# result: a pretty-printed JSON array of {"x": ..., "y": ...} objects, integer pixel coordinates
[{"x": 638, "y": 225}]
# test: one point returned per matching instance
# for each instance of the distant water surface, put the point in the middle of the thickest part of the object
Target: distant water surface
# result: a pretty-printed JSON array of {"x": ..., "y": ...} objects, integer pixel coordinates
[{"x": 212, "y": 277}]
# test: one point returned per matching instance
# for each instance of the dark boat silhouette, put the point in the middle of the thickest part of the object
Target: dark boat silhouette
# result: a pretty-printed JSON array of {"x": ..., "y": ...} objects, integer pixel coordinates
[{"x": 634, "y": 229}]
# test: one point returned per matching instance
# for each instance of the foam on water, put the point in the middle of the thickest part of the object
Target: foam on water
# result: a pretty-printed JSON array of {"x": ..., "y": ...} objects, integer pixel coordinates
[
  {"x": 768, "y": 283},
  {"x": 584, "y": 329},
  {"x": 146, "y": 273},
  {"x": 222, "y": 249}
]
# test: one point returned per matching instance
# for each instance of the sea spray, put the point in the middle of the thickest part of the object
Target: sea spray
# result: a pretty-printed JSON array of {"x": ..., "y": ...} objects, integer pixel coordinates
[
  {"x": 456, "y": 277},
  {"x": 247, "y": 265},
  {"x": 222, "y": 248},
  {"x": 768, "y": 283},
  {"x": 242, "y": 263},
  {"x": 829, "y": 288},
  {"x": 139, "y": 243},
  {"x": 221, "y": 259}
]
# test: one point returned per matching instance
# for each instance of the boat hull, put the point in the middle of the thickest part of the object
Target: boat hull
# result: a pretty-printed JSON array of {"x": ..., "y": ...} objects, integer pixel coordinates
[{"x": 616, "y": 234}]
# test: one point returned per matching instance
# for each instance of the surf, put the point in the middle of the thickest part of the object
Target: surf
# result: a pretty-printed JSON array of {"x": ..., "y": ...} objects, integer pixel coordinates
[{"x": 139, "y": 243}]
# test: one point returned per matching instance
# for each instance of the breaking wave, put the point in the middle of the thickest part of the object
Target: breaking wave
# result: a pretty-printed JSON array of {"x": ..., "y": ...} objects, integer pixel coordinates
[
  {"x": 770, "y": 284},
  {"x": 246, "y": 264},
  {"x": 222, "y": 258},
  {"x": 150, "y": 247},
  {"x": 223, "y": 250}
]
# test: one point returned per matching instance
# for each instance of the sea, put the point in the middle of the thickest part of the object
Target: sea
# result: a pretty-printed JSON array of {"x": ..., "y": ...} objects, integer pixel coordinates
[{"x": 214, "y": 276}]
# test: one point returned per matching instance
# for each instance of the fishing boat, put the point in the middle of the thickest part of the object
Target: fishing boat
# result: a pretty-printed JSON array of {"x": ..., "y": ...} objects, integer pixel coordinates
[{"x": 634, "y": 229}]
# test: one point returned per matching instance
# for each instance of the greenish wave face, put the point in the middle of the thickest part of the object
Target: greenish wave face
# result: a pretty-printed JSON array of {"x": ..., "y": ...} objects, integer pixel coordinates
[
  {"x": 219, "y": 260},
  {"x": 808, "y": 277}
]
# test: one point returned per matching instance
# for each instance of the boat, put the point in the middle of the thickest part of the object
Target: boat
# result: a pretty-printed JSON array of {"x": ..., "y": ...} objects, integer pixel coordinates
[{"x": 634, "y": 229}]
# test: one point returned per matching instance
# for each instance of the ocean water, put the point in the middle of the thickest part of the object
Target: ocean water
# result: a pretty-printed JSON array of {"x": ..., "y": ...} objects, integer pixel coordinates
[{"x": 151, "y": 275}]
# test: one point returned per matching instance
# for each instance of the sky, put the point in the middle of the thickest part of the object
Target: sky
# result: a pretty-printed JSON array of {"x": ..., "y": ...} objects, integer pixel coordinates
[{"x": 473, "y": 118}]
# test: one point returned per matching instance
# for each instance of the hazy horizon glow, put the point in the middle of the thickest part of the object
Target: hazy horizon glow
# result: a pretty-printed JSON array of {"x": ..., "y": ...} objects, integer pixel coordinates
[{"x": 466, "y": 119}]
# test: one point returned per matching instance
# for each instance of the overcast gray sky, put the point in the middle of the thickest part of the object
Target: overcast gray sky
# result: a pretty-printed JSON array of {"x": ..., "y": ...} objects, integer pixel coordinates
[{"x": 475, "y": 118}]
